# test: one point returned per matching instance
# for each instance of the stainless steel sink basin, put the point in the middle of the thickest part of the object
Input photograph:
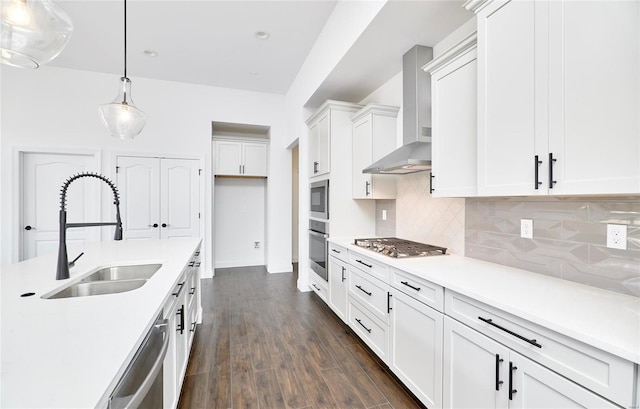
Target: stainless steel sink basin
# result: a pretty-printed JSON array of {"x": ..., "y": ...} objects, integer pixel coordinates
[
  {"x": 129, "y": 272},
  {"x": 84, "y": 289}
]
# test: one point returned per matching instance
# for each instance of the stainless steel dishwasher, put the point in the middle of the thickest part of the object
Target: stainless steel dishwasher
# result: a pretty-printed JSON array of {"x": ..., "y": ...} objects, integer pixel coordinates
[{"x": 141, "y": 385}]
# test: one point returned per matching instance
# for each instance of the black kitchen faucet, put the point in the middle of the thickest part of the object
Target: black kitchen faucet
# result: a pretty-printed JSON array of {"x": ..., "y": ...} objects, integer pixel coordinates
[{"x": 62, "y": 272}]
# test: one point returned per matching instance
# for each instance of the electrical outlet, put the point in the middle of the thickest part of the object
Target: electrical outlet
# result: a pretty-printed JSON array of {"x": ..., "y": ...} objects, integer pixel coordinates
[
  {"x": 526, "y": 228},
  {"x": 384, "y": 215},
  {"x": 617, "y": 236}
]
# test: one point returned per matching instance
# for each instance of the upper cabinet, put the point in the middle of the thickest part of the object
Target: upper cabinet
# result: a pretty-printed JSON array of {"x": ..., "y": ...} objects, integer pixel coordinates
[
  {"x": 325, "y": 124},
  {"x": 374, "y": 136},
  {"x": 454, "y": 118},
  {"x": 241, "y": 158},
  {"x": 558, "y": 97}
]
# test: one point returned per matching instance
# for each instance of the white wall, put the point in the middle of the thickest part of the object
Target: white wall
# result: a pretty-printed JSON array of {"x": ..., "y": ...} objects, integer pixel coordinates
[
  {"x": 57, "y": 108},
  {"x": 239, "y": 221}
]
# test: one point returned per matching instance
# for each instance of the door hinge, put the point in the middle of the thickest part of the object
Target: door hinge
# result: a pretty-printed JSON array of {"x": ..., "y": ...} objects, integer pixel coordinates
[
  {"x": 198, "y": 215},
  {"x": 199, "y": 172},
  {"x": 117, "y": 169}
]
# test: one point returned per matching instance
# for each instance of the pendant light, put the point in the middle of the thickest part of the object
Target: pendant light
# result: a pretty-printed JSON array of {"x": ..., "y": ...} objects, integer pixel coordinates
[
  {"x": 34, "y": 32},
  {"x": 123, "y": 119}
]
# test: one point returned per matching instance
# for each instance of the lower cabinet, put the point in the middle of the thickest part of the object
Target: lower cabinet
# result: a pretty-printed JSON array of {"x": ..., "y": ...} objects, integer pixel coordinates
[
  {"x": 338, "y": 287},
  {"x": 319, "y": 286},
  {"x": 415, "y": 347},
  {"x": 370, "y": 329},
  {"x": 481, "y": 373}
]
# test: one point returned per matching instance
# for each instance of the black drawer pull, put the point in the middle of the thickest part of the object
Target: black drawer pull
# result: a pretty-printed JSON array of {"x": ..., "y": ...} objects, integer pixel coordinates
[
  {"x": 192, "y": 291},
  {"x": 192, "y": 264},
  {"x": 490, "y": 322},
  {"x": 498, "y": 381},
  {"x": 336, "y": 251},
  {"x": 197, "y": 253},
  {"x": 409, "y": 285},
  {"x": 363, "y": 290},
  {"x": 316, "y": 287},
  {"x": 197, "y": 264},
  {"x": 177, "y": 293},
  {"x": 360, "y": 322},
  {"x": 363, "y": 263}
]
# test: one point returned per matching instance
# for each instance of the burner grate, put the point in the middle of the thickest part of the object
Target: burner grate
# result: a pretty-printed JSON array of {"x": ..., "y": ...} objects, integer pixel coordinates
[{"x": 398, "y": 248}]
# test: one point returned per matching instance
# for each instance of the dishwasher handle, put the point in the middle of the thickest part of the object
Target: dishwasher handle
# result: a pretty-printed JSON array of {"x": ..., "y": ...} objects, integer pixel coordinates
[{"x": 140, "y": 394}]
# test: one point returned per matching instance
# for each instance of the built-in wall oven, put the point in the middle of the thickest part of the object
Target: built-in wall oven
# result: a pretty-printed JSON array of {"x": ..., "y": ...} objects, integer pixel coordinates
[
  {"x": 318, "y": 234},
  {"x": 319, "y": 200}
]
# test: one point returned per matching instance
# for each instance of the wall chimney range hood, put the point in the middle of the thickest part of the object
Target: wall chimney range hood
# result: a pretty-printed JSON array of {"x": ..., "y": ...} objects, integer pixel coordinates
[{"x": 415, "y": 154}]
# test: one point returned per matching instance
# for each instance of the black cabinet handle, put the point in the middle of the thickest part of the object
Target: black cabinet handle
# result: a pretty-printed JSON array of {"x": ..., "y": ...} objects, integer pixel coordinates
[
  {"x": 360, "y": 322},
  {"x": 177, "y": 293},
  {"x": 498, "y": 381},
  {"x": 197, "y": 253},
  {"x": 551, "y": 162},
  {"x": 197, "y": 264},
  {"x": 165, "y": 225},
  {"x": 191, "y": 264},
  {"x": 536, "y": 166},
  {"x": 409, "y": 285},
  {"x": 366, "y": 188},
  {"x": 336, "y": 251},
  {"x": 27, "y": 228},
  {"x": 315, "y": 167},
  {"x": 512, "y": 368},
  {"x": 192, "y": 291},
  {"x": 181, "y": 314},
  {"x": 343, "y": 275},
  {"x": 389, "y": 302},
  {"x": 316, "y": 287},
  {"x": 508, "y": 331},
  {"x": 363, "y": 290},
  {"x": 431, "y": 189},
  {"x": 363, "y": 263}
]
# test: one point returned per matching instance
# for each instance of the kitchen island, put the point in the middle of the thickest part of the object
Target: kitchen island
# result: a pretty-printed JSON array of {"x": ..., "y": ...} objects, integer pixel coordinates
[{"x": 71, "y": 352}]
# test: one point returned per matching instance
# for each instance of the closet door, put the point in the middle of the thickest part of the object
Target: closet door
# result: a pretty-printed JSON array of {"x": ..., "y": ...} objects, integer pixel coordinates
[
  {"x": 179, "y": 198},
  {"x": 138, "y": 183}
]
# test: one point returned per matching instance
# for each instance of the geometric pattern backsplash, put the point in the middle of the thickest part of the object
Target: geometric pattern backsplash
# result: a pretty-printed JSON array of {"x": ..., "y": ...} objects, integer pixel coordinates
[
  {"x": 422, "y": 218},
  {"x": 569, "y": 237}
]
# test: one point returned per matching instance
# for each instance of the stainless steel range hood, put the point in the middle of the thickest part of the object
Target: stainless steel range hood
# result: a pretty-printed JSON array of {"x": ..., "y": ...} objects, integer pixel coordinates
[{"x": 415, "y": 154}]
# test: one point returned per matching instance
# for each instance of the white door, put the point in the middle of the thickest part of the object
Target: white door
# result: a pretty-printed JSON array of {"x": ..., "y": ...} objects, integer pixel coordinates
[
  {"x": 415, "y": 347},
  {"x": 42, "y": 177},
  {"x": 254, "y": 159},
  {"x": 539, "y": 388},
  {"x": 472, "y": 369},
  {"x": 138, "y": 183},
  {"x": 507, "y": 51},
  {"x": 179, "y": 198}
]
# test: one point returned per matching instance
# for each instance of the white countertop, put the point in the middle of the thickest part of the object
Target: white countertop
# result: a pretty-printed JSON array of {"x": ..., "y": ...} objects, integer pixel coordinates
[
  {"x": 604, "y": 319},
  {"x": 70, "y": 352}
]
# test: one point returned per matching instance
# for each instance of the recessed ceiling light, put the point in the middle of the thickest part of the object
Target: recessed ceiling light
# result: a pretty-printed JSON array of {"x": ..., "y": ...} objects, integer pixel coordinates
[
  {"x": 262, "y": 35},
  {"x": 150, "y": 53}
]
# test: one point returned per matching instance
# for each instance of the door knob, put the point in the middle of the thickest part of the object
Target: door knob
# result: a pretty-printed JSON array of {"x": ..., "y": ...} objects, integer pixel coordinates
[
  {"x": 154, "y": 225},
  {"x": 27, "y": 228},
  {"x": 165, "y": 225}
]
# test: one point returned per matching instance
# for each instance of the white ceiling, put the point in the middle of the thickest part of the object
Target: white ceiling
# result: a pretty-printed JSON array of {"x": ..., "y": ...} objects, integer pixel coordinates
[{"x": 212, "y": 42}]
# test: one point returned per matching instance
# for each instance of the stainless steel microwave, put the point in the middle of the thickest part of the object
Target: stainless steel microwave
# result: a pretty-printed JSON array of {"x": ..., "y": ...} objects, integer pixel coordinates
[{"x": 319, "y": 200}]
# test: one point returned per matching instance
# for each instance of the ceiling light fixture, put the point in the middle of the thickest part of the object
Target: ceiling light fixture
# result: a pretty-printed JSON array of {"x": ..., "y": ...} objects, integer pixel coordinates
[
  {"x": 34, "y": 32},
  {"x": 262, "y": 35},
  {"x": 123, "y": 119}
]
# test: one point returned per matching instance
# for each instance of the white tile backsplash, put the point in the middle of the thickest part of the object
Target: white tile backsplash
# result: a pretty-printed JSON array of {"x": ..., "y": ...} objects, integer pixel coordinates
[{"x": 420, "y": 217}]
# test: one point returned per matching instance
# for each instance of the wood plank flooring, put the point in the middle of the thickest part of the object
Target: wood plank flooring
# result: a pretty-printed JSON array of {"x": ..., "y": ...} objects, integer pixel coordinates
[{"x": 263, "y": 344}]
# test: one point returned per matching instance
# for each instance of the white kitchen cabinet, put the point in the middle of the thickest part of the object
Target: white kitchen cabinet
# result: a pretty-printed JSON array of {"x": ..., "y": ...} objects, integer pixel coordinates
[
  {"x": 319, "y": 286},
  {"x": 159, "y": 197},
  {"x": 241, "y": 158},
  {"x": 324, "y": 125},
  {"x": 551, "y": 118},
  {"x": 454, "y": 116},
  {"x": 338, "y": 287},
  {"x": 481, "y": 373},
  {"x": 415, "y": 347},
  {"x": 374, "y": 136}
]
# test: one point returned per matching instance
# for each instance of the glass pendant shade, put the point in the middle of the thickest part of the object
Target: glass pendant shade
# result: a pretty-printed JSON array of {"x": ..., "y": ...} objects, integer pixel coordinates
[
  {"x": 34, "y": 32},
  {"x": 123, "y": 119}
]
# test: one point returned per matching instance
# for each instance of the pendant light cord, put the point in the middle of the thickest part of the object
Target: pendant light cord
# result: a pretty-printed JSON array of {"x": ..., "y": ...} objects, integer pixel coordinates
[{"x": 125, "y": 38}]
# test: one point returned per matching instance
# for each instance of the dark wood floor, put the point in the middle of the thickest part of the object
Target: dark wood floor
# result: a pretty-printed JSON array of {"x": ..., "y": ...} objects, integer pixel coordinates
[{"x": 262, "y": 344}]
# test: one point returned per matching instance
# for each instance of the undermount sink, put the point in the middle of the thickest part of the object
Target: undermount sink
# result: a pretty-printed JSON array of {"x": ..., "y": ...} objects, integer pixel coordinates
[
  {"x": 109, "y": 280},
  {"x": 128, "y": 272},
  {"x": 83, "y": 289}
]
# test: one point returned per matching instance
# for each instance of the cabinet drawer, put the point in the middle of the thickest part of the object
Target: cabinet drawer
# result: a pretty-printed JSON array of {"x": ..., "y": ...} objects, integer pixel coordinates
[
  {"x": 371, "y": 292},
  {"x": 339, "y": 252},
  {"x": 319, "y": 286},
  {"x": 368, "y": 265},
  {"x": 418, "y": 288},
  {"x": 601, "y": 372},
  {"x": 373, "y": 332}
]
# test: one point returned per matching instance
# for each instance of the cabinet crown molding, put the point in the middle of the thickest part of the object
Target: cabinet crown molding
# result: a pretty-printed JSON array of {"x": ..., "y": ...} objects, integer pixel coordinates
[
  {"x": 475, "y": 5},
  {"x": 386, "y": 110},
  {"x": 333, "y": 105},
  {"x": 468, "y": 43}
]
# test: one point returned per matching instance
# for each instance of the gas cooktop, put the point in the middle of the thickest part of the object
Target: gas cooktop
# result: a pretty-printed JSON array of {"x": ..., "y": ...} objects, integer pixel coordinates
[{"x": 398, "y": 248}]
